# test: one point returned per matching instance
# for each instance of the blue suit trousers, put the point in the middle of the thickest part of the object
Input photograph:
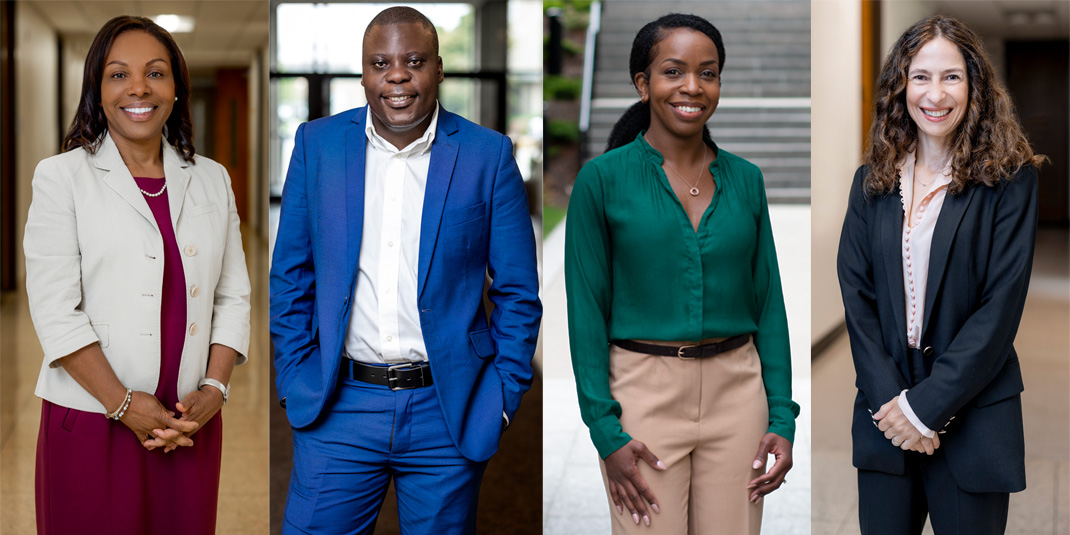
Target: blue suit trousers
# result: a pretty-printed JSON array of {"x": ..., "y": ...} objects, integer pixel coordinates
[{"x": 369, "y": 435}]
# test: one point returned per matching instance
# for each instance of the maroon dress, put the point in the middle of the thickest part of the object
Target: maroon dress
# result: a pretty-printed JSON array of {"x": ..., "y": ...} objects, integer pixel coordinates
[{"x": 93, "y": 476}]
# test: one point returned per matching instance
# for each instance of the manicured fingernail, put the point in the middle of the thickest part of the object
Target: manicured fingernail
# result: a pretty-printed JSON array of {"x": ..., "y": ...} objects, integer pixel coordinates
[
  {"x": 620, "y": 510},
  {"x": 661, "y": 465},
  {"x": 757, "y": 464},
  {"x": 635, "y": 517},
  {"x": 655, "y": 507},
  {"x": 646, "y": 520}
]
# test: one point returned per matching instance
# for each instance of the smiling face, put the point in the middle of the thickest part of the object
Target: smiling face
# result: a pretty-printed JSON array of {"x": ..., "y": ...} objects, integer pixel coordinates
[
  {"x": 938, "y": 91},
  {"x": 684, "y": 83},
  {"x": 402, "y": 71},
  {"x": 137, "y": 89}
]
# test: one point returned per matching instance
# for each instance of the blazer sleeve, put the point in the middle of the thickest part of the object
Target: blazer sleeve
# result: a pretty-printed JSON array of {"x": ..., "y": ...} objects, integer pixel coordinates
[
  {"x": 230, "y": 310},
  {"x": 514, "y": 287},
  {"x": 53, "y": 266},
  {"x": 772, "y": 339},
  {"x": 980, "y": 348},
  {"x": 878, "y": 376},
  {"x": 292, "y": 280},
  {"x": 589, "y": 286}
]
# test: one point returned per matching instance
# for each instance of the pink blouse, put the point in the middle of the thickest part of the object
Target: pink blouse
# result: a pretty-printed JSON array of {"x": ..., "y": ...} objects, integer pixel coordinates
[{"x": 917, "y": 241}]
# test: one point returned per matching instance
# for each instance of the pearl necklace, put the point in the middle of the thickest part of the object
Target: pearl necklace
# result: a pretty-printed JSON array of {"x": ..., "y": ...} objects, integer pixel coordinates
[{"x": 157, "y": 194}]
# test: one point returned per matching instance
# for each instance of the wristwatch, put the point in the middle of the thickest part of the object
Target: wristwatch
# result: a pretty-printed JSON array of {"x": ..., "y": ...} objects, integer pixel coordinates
[{"x": 216, "y": 384}]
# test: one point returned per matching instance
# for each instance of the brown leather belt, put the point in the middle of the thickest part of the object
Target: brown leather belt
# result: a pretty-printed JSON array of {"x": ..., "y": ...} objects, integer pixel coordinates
[{"x": 691, "y": 351}]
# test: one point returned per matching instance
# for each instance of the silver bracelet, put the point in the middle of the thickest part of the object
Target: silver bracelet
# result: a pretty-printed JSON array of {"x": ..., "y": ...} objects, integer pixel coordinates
[
  {"x": 217, "y": 385},
  {"x": 122, "y": 408}
]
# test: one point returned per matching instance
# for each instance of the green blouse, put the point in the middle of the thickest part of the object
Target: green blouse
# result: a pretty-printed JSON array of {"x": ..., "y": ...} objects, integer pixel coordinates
[{"x": 636, "y": 269}]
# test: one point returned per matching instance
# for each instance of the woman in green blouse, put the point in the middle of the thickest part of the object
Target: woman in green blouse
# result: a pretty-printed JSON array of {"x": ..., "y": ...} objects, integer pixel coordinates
[{"x": 669, "y": 253}]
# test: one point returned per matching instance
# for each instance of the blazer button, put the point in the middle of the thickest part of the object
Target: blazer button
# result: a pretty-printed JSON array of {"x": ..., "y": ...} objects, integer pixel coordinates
[
  {"x": 928, "y": 351},
  {"x": 193, "y": 330},
  {"x": 195, "y": 291},
  {"x": 191, "y": 250}
]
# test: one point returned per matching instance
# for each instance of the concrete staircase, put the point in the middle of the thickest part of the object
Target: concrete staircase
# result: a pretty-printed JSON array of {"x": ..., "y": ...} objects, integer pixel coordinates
[{"x": 764, "y": 113}]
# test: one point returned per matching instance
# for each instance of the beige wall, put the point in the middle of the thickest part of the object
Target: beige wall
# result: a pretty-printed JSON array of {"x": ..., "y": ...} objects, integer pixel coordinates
[
  {"x": 836, "y": 100},
  {"x": 35, "y": 116}
]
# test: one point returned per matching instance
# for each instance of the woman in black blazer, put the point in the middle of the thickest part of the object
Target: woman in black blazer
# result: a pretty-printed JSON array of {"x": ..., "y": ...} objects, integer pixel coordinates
[{"x": 934, "y": 263}]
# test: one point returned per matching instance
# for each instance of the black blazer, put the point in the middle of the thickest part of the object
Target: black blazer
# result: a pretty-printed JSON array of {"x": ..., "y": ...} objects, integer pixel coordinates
[{"x": 979, "y": 267}]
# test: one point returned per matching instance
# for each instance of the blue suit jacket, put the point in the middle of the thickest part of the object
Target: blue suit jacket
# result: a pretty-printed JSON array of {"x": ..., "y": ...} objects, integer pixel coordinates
[
  {"x": 475, "y": 223},
  {"x": 979, "y": 266}
]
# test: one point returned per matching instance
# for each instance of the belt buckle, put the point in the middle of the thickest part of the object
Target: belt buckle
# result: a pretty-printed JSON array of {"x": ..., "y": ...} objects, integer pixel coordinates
[
  {"x": 680, "y": 352},
  {"x": 392, "y": 376}
]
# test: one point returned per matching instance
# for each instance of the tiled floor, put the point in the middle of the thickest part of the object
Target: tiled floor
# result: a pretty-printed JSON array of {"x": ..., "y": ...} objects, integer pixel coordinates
[
  {"x": 1043, "y": 345},
  {"x": 574, "y": 501},
  {"x": 243, "y": 495}
]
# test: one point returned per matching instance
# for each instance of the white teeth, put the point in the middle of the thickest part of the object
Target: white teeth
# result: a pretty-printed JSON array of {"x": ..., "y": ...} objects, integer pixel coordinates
[
  {"x": 936, "y": 113},
  {"x": 688, "y": 109},
  {"x": 398, "y": 99},
  {"x": 138, "y": 110}
]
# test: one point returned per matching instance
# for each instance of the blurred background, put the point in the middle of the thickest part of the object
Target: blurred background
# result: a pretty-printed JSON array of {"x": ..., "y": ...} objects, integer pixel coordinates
[
  {"x": 763, "y": 116},
  {"x": 42, "y": 55},
  {"x": 492, "y": 57},
  {"x": 1027, "y": 42}
]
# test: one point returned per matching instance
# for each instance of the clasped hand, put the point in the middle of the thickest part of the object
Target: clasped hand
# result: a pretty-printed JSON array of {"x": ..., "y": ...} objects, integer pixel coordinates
[
  {"x": 895, "y": 425},
  {"x": 157, "y": 427}
]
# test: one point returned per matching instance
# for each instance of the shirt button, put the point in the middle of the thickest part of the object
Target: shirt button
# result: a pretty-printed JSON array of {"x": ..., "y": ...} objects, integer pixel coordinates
[
  {"x": 195, "y": 291},
  {"x": 193, "y": 330},
  {"x": 389, "y": 338},
  {"x": 389, "y": 244},
  {"x": 191, "y": 250}
]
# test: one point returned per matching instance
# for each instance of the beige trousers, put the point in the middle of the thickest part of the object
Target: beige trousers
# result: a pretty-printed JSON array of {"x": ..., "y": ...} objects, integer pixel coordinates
[{"x": 704, "y": 419}]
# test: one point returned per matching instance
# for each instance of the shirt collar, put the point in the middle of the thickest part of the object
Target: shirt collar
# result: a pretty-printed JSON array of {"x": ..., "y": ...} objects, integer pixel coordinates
[
  {"x": 416, "y": 148},
  {"x": 656, "y": 156}
]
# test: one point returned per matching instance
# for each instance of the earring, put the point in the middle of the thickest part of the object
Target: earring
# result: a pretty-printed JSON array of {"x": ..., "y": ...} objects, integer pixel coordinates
[{"x": 176, "y": 99}]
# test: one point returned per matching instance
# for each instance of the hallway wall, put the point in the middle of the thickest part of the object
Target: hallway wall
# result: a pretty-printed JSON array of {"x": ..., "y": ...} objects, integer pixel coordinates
[{"x": 36, "y": 65}]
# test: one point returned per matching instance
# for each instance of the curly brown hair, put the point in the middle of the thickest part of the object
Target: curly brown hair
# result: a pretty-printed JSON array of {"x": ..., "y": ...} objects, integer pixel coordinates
[
  {"x": 89, "y": 122},
  {"x": 988, "y": 146}
]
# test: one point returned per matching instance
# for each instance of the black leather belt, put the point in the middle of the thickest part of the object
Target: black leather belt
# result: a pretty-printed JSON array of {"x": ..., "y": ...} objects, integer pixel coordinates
[
  {"x": 693, "y": 351},
  {"x": 397, "y": 377}
]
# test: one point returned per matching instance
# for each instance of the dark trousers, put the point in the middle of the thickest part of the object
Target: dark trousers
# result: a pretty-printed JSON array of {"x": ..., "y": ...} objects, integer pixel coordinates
[
  {"x": 898, "y": 504},
  {"x": 369, "y": 435}
]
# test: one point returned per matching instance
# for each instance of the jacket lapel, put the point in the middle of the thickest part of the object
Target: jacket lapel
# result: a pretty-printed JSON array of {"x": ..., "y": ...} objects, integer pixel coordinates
[
  {"x": 356, "y": 144},
  {"x": 439, "y": 175},
  {"x": 118, "y": 178},
  {"x": 891, "y": 240},
  {"x": 947, "y": 225},
  {"x": 174, "y": 171}
]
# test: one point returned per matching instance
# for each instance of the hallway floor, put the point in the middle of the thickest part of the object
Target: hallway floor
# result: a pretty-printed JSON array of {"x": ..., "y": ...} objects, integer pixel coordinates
[{"x": 243, "y": 488}]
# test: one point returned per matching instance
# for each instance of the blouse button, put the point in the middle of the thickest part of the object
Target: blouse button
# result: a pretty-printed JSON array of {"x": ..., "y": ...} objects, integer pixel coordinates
[
  {"x": 193, "y": 330},
  {"x": 191, "y": 250},
  {"x": 194, "y": 291}
]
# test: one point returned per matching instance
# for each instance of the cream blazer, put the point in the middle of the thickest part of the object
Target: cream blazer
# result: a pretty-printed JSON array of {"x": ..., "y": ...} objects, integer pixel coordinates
[{"x": 94, "y": 269}]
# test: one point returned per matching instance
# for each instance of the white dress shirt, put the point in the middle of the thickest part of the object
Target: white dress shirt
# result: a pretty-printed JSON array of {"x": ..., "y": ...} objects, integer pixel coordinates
[
  {"x": 384, "y": 325},
  {"x": 916, "y": 245}
]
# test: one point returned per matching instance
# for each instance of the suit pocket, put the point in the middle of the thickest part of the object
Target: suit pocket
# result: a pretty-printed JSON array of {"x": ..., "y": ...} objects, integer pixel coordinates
[
  {"x": 101, "y": 329},
  {"x": 482, "y": 342},
  {"x": 202, "y": 209},
  {"x": 1008, "y": 382},
  {"x": 466, "y": 214}
]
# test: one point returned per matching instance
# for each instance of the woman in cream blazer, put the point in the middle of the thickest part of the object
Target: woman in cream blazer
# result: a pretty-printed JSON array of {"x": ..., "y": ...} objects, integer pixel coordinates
[{"x": 139, "y": 292}]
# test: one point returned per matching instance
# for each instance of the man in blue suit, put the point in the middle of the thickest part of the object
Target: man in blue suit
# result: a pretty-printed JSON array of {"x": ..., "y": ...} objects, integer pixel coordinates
[{"x": 393, "y": 216}]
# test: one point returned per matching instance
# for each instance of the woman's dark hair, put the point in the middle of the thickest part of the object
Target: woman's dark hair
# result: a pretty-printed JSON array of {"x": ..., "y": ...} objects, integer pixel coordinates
[
  {"x": 988, "y": 146},
  {"x": 90, "y": 122},
  {"x": 644, "y": 48}
]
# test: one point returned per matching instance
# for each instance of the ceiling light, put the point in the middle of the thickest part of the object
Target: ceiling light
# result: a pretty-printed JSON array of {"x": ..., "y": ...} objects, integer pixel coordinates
[{"x": 174, "y": 23}]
